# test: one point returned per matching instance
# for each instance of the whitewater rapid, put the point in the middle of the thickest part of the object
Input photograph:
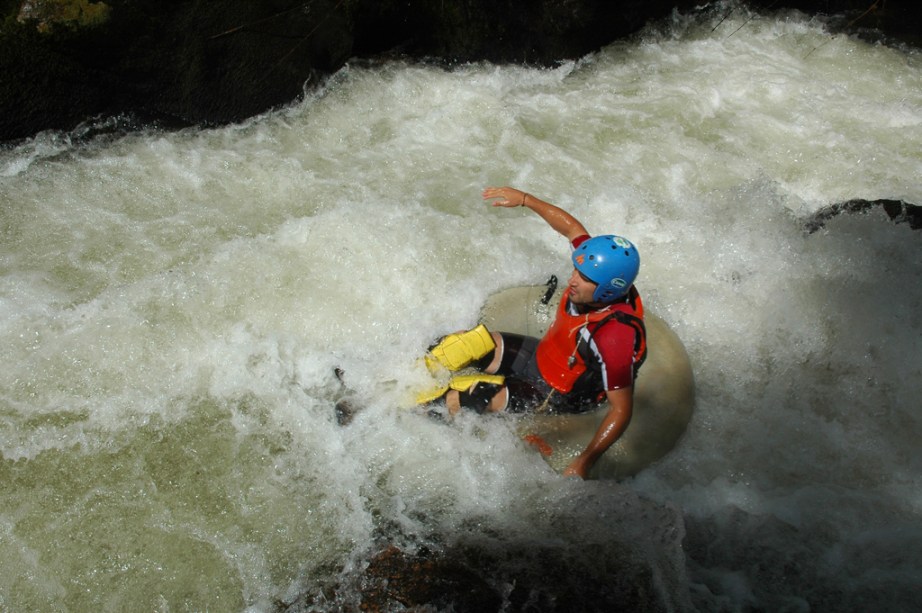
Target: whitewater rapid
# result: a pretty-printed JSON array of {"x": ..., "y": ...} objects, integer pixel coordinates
[{"x": 173, "y": 304}]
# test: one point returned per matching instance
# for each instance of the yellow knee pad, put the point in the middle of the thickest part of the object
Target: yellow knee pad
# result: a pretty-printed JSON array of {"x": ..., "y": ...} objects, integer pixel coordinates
[
  {"x": 462, "y": 383},
  {"x": 456, "y": 351}
]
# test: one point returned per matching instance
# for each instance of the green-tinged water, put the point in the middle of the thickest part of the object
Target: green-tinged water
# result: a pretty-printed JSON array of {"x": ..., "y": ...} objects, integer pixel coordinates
[{"x": 172, "y": 307}]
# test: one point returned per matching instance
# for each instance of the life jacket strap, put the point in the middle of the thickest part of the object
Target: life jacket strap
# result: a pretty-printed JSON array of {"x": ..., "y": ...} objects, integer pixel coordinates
[
  {"x": 461, "y": 383},
  {"x": 640, "y": 335}
]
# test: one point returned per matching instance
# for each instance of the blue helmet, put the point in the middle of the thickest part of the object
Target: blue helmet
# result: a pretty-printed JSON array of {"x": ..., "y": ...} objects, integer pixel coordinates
[{"x": 611, "y": 262}]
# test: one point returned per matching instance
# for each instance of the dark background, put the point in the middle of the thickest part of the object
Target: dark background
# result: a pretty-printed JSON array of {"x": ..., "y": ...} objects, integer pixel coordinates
[{"x": 175, "y": 63}]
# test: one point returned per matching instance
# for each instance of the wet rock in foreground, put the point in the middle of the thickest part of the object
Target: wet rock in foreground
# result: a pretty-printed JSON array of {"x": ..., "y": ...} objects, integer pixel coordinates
[{"x": 484, "y": 577}]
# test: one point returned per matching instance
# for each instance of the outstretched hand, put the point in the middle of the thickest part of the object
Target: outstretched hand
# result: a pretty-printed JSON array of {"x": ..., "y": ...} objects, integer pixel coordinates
[{"x": 505, "y": 196}]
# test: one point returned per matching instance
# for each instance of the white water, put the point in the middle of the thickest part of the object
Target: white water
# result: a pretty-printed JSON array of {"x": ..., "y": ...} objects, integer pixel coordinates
[{"x": 173, "y": 306}]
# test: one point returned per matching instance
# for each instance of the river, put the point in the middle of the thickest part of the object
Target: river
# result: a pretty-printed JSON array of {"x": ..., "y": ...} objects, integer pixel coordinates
[{"x": 174, "y": 305}]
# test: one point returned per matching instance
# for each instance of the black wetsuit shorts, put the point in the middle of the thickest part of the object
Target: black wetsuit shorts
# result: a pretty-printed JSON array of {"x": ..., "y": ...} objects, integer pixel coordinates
[{"x": 528, "y": 391}]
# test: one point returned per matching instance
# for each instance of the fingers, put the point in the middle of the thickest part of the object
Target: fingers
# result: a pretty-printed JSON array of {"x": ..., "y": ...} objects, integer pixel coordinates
[
  {"x": 492, "y": 192},
  {"x": 504, "y": 195}
]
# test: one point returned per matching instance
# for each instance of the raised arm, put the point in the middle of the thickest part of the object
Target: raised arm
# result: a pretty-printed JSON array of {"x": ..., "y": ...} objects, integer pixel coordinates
[{"x": 556, "y": 217}]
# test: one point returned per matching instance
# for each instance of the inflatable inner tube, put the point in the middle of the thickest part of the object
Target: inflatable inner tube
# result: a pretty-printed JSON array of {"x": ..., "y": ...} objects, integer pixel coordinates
[{"x": 664, "y": 392}]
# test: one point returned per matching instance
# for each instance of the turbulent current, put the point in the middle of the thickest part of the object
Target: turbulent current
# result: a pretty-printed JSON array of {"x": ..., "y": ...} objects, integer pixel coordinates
[{"x": 173, "y": 306}]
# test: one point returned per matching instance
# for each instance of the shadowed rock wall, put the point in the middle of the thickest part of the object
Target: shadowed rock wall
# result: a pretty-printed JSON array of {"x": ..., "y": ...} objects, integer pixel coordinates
[{"x": 182, "y": 62}]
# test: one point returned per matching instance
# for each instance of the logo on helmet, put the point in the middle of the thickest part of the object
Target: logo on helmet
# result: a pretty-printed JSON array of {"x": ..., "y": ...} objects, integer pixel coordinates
[
  {"x": 580, "y": 259},
  {"x": 622, "y": 242},
  {"x": 619, "y": 283}
]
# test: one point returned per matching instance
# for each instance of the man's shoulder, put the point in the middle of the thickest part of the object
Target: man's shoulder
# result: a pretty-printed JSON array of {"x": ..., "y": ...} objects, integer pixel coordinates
[{"x": 612, "y": 333}]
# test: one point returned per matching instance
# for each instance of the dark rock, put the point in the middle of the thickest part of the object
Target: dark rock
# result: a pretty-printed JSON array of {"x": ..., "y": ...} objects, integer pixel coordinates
[
  {"x": 494, "y": 576},
  {"x": 195, "y": 62},
  {"x": 182, "y": 63},
  {"x": 394, "y": 577},
  {"x": 897, "y": 210},
  {"x": 887, "y": 21},
  {"x": 538, "y": 32}
]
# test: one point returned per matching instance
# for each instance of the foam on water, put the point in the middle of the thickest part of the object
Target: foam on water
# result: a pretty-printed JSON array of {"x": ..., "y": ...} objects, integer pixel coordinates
[{"x": 173, "y": 306}]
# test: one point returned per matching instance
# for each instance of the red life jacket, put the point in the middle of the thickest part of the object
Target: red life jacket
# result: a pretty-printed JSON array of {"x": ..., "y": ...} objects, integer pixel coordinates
[{"x": 561, "y": 364}]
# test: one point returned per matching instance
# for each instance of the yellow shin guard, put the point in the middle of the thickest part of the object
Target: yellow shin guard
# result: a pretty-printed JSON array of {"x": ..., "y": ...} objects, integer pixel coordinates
[
  {"x": 461, "y": 383},
  {"x": 456, "y": 351}
]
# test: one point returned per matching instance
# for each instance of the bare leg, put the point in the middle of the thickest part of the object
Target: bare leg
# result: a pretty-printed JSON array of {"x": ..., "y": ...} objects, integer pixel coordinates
[{"x": 493, "y": 366}]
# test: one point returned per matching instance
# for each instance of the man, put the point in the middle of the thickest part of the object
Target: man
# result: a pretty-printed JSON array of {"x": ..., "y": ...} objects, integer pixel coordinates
[{"x": 592, "y": 350}]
